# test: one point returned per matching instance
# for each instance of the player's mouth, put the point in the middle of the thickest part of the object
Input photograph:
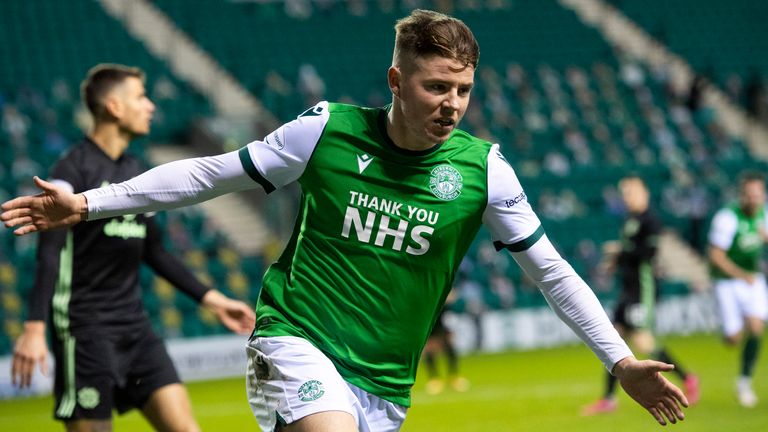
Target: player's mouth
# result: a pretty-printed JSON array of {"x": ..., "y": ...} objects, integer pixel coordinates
[{"x": 444, "y": 125}]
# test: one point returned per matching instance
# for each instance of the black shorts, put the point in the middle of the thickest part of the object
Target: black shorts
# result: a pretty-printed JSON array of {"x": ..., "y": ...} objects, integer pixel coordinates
[
  {"x": 439, "y": 329},
  {"x": 634, "y": 315},
  {"x": 98, "y": 373}
]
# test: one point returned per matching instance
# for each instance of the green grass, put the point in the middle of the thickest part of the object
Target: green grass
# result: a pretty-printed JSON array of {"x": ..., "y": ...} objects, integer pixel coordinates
[{"x": 537, "y": 391}]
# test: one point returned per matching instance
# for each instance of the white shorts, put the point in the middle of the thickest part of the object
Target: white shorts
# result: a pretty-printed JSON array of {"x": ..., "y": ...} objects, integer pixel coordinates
[
  {"x": 737, "y": 300},
  {"x": 288, "y": 378}
]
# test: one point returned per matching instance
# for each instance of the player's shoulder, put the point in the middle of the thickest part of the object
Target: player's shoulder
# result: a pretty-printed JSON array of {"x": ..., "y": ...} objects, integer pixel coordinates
[
  {"x": 340, "y": 108},
  {"x": 726, "y": 214},
  {"x": 341, "y": 113},
  {"x": 482, "y": 154},
  {"x": 343, "y": 117},
  {"x": 730, "y": 210},
  {"x": 465, "y": 142},
  {"x": 463, "y": 136},
  {"x": 350, "y": 111},
  {"x": 76, "y": 156},
  {"x": 324, "y": 108}
]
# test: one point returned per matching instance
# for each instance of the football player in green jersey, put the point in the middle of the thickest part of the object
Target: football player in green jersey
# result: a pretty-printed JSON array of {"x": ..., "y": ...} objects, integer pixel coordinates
[
  {"x": 392, "y": 198},
  {"x": 736, "y": 240}
]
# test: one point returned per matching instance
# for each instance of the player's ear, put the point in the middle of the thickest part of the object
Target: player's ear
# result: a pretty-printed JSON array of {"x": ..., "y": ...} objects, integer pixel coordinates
[
  {"x": 113, "y": 106},
  {"x": 394, "y": 77}
]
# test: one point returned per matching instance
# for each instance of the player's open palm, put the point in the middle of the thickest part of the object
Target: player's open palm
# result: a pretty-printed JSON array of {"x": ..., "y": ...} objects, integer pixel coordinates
[
  {"x": 30, "y": 350},
  {"x": 54, "y": 207},
  {"x": 642, "y": 380}
]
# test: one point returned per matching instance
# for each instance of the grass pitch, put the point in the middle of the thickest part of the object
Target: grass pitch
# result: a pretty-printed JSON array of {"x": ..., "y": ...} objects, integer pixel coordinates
[{"x": 537, "y": 391}]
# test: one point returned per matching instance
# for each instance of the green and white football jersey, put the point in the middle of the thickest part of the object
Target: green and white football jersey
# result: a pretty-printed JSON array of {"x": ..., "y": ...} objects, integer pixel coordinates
[
  {"x": 379, "y": 237},
  {"x": 739, "y": 236},
  {"x": 380, "y": 234}
]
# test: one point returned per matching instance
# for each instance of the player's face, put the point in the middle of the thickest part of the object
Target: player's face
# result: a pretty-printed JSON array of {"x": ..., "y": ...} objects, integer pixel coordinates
[
  {"x": 752, "y": 196},
  {"x": 635, "y": 195},
  {"x": 432, "y": 95},
  {"x": 136, "y": 114}
]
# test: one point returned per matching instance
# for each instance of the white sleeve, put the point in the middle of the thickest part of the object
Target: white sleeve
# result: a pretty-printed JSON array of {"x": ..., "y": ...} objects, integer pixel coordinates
[
  {"x": 723, "y": 229},
  {"x": 282, "y": 156},
  {"x": 508, "y": 214},
  {"x": 573, "y": 301},
  {"x": 514, "y": 226},
  {"x": 272, "y": 163},
  {"x": 170, "y": 185},
  {"x": 765, "y": 218}
]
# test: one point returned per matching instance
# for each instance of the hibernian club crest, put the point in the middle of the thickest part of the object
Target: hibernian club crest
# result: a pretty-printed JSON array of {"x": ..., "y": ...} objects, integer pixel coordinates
[
  {"x": 445, "y": 182},
  {"x": 311, "y": 390}
]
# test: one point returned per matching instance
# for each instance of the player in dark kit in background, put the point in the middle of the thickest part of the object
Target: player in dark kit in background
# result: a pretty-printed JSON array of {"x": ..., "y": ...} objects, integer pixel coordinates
[
  {"x": 634, "y": 317},
  {"x": 87, "y": 283},
  {"x": 441, "y": 340}
]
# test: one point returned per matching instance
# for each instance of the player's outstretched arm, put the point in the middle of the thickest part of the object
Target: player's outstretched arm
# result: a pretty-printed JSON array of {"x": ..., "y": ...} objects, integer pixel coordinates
[
  {"x": 54, "y": 207},
  {"x": 30, "y": 350},
  {"x": 643, "y": 382},
  {"x": 234, "y": 314}
]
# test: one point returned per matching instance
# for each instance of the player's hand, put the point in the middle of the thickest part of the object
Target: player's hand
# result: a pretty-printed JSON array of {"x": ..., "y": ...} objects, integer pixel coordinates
[
  {"x": 30, "y": 350},
  {"x": 54, "y": 207},
  {"x": 642, "y": 380},
  {"x": 234, "y": 314}
]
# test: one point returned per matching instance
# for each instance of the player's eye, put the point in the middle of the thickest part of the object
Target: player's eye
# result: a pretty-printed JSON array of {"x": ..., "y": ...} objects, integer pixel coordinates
[{"x": 437, "y": 87}]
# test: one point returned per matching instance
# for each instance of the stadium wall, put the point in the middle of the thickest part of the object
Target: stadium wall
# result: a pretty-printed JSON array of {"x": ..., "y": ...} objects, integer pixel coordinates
[{"x": 224, "y": 356}]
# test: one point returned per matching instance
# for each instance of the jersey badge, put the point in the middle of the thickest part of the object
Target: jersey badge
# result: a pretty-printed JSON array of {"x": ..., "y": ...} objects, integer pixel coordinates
[
  {"x": 88, "y": 397},
  {"x": 311, "y": 390},
  {"x": 363, "y": 161},
  {"x": 445, "y": 182}
]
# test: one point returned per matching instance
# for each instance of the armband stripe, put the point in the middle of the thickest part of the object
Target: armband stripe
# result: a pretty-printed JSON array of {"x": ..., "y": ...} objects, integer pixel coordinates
[
  {"x": 521, "y": 245},
  {"x": 250, "y": 169}
]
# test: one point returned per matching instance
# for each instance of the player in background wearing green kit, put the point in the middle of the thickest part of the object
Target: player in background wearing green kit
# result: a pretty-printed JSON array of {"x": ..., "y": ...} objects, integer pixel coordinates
[
  {"x": 392, "y": 198},
  {"x": 736, "y": 240}
]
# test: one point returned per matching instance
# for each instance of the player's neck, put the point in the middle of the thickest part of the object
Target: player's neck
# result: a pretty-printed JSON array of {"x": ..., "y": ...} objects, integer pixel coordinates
[
  {"x": 400, "y": 135},
  {"x": 749, "y": 211},
  {"x": 110, "y": 140}
]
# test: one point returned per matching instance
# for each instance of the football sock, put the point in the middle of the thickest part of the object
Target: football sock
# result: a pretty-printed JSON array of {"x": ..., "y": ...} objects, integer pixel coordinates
[
  {"x": 430, "y": 363},
  {"x": 453, "y": 359},
  {"x": 662, "y": 355},
  {"x": 749, "y": 355},
  {"x": 610, "y": 386}
]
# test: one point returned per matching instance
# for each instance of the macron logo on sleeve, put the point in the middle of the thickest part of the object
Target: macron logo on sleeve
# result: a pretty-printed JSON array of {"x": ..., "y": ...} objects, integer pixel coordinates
[{"x": 363, "y": 161}]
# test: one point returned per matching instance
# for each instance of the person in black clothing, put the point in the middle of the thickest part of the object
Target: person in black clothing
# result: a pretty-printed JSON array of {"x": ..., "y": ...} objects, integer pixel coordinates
[
  {"x": 441, "y": 340},
  {"x": 87, "y": 283},
  {"x": 634, "y": 317}
]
